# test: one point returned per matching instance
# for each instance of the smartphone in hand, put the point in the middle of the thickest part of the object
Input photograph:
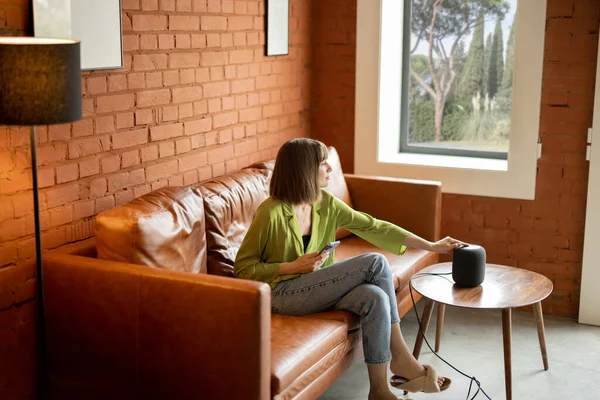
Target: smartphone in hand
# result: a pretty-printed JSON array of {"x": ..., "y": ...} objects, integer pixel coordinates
[{"x": 329, "y": 247}]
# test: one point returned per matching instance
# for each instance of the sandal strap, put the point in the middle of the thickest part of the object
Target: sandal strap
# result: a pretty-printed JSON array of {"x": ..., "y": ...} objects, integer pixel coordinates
[
  {"x": 427, "y": 383},
  {"x": 431, "y": 381}
]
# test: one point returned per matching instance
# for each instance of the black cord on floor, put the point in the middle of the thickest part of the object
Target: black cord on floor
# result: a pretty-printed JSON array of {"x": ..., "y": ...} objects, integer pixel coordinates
[{"x": 471, "y": 378}]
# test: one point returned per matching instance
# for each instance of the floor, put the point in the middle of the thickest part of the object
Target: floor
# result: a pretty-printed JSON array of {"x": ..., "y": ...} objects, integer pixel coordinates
[{"x": 472, "y": 342}]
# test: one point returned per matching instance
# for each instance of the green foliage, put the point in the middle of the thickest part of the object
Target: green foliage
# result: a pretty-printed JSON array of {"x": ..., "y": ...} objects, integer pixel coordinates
[
  {"x": 499, "y": 39},
  {"x": 491, "y": 126},
  {"x": 420, "y": 65},
  {"x": 456, "y": 113},
  {"x": 504, "y": 101},
  {"x": 507, "y": 78},
  {"x": 422, "y": 124},
  {"x": 472, "y": 76},
  {"x": 496, "y": 65},
  {"x": 460, "y": 58},
  {"x": 454, "y": 16},
  {"x": 486, "y": 63}
]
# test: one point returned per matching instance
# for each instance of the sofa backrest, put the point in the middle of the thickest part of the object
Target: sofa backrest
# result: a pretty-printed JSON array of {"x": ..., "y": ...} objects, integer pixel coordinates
[
  {"x": 230, "y": 203},
  {"x": 195, "y": 229},
  {"x": 162, "y": 229},
  {"x": 337, "y": 186}
]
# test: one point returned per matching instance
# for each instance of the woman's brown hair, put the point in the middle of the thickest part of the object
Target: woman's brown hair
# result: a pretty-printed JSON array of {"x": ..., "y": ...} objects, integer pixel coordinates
[{"x": 296, "y": 175}]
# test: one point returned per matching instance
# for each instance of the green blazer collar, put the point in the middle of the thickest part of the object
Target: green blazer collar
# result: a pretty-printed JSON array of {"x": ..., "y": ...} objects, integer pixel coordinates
[{"x": 293, "y": 225}]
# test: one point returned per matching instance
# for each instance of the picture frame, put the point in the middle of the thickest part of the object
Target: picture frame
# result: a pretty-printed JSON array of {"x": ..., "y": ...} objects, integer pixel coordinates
[
  {"x": 277, "y": 27},
  {"x": 95, "y": 23}
]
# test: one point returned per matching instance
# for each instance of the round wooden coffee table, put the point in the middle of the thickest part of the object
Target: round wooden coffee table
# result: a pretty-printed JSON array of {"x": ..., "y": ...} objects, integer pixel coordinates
[{"x": 503, "y": 288}]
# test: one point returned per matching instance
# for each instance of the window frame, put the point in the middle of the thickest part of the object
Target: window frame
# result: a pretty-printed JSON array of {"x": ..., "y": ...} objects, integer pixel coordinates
[{"x": 379, "y": 57}]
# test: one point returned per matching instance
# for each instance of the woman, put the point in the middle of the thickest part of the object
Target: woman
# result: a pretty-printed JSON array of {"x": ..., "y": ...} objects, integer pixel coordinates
[{"x": 281, "y": 248}]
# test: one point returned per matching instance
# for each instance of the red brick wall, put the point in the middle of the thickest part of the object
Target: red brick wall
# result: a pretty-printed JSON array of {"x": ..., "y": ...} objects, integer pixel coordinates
[
  {"x": 544, "y": 235},
  {"x": 196, "y": 99},
  {"x": 334, "y": 75}
]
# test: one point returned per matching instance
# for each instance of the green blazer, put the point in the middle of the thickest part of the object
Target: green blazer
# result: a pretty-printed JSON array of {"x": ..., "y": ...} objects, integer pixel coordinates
[{"x": 274, "y": 236}]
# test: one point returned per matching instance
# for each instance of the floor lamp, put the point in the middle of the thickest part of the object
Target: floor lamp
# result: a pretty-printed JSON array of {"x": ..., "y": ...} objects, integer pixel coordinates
[{"x": 40, "y": 84}]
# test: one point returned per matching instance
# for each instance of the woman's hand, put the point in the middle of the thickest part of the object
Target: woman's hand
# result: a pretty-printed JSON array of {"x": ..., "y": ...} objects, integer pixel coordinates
[
  {"x": 446, "y": 245},
  {"x": 304, "y": 264}
]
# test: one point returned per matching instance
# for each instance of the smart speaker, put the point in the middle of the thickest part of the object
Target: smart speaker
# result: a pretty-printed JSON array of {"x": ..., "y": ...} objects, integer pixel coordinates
[{"x": 468, "y": 265}]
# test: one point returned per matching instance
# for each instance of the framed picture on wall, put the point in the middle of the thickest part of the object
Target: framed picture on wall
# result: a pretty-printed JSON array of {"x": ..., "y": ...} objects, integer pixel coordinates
[
  {"x": 277, "y": 27},
  {"x": 96, "y": 23}
]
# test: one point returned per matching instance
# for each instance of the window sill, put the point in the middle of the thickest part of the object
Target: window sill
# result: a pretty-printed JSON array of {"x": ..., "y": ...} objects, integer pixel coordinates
[{"x": 431, "y": 160}]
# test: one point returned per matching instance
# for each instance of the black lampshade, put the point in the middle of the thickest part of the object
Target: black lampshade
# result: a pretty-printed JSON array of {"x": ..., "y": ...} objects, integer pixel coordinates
[{"x": 40, "y": 81}]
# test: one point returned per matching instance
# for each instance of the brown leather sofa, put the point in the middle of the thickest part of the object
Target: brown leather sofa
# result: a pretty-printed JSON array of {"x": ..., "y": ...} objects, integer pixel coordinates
[{"x": 148, "y": 308}]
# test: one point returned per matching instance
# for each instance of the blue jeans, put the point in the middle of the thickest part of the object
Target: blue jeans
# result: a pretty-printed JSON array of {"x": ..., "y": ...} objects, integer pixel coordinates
[{"x": 362, "y": 285}]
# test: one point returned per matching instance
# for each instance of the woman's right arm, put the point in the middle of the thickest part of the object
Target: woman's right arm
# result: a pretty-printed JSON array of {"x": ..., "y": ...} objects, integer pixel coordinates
[
  {"x": 249, "y": 262},
  {"x": 304, "y": 264}
]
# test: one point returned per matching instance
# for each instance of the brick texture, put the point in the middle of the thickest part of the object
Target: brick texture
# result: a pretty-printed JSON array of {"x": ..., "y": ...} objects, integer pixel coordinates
[
  {"x": 197, "y": 98},
  {"x": 544, "y": 235}
]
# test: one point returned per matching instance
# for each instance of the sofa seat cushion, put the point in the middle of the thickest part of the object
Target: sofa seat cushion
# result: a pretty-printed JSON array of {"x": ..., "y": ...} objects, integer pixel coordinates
[
  {"x": 350, "y": 319},
  {"x": 297, "y": 343},
  {"x": 403, "y": 267}
]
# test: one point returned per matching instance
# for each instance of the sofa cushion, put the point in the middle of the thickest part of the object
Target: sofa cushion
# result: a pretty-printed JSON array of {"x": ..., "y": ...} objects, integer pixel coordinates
[
  {"x": 298, "y": 343},
  {"x": 230, "y": 203},
  {"x": 263, "y": 165},
  {"x": 350, "y": 319},
  {"x": 403, "y": 267},
  {"x": 337, "y": 186},
  {"x": 162, "y": 229}
]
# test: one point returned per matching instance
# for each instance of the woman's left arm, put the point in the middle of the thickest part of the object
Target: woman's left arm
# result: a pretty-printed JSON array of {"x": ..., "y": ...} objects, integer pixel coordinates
[
  {"x": 386, "y": 235},
  {"x": 441, "y": 246}
]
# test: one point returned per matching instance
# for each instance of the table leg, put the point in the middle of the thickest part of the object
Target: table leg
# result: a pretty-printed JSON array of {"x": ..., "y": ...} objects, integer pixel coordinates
[
  {"x": 506, "y": 335},
  {"x": 425, "y": 323},
  {"x": 440, "y": 324},
  {"x": 537, "y": 311}
]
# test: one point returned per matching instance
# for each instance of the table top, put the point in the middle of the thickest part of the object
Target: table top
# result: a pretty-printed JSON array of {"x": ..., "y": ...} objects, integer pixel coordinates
[{"x": 503, "y": 287}]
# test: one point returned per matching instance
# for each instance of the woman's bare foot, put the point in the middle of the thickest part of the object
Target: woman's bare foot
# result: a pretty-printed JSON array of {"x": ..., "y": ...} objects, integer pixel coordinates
[{"x": 411, "y": 372}]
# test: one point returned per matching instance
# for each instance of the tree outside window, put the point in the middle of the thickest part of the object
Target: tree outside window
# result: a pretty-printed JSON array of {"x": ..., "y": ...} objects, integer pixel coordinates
[{"x": 458, "y": 83}]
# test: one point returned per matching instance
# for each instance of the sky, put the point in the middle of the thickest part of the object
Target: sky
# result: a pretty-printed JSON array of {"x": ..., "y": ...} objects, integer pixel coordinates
[{"x": 488, "y": 28}]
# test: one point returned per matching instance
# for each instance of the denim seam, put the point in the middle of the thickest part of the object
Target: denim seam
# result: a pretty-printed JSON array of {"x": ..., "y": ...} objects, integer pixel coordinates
[
  {"x": 324, "y": 283},
  {"x": 374, "y": 276},
  {"x": 379, "y": 362}
]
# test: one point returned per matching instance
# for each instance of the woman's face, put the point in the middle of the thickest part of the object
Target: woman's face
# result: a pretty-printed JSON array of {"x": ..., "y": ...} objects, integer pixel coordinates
[{"x": 324, "y": 174}]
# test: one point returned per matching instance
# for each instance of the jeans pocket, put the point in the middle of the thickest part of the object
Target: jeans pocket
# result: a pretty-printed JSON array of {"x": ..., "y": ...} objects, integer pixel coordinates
[
  {"x": 277, "y": 297},
  {"x": 280, "y": 287}
]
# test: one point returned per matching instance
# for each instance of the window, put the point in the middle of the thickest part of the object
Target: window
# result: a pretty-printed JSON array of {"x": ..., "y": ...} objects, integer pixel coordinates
[
  {"x": 502, "y": 167},
  {"x": 457, "y": 77}
]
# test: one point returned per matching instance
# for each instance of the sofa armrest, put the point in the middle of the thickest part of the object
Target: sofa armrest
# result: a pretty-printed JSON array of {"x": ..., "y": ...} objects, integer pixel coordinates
[
  {"x": 413, "y": 205},
  {"x": 127, "y": 331}
]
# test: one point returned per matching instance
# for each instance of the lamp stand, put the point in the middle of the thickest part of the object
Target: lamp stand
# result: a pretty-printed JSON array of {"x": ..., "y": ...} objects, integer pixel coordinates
[{"x": 43, "y": 370}]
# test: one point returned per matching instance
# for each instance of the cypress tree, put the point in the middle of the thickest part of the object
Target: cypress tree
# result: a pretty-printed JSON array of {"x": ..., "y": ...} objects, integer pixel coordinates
[
  {"x": 507, "y": 78},
  {"x": 496, "y": 66},
  {"x": 472, "y": 76},
  {"x": 499, "y": 39},
  {"x": 486, "y": 62},
  {"x": 460, "y": 57}
]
